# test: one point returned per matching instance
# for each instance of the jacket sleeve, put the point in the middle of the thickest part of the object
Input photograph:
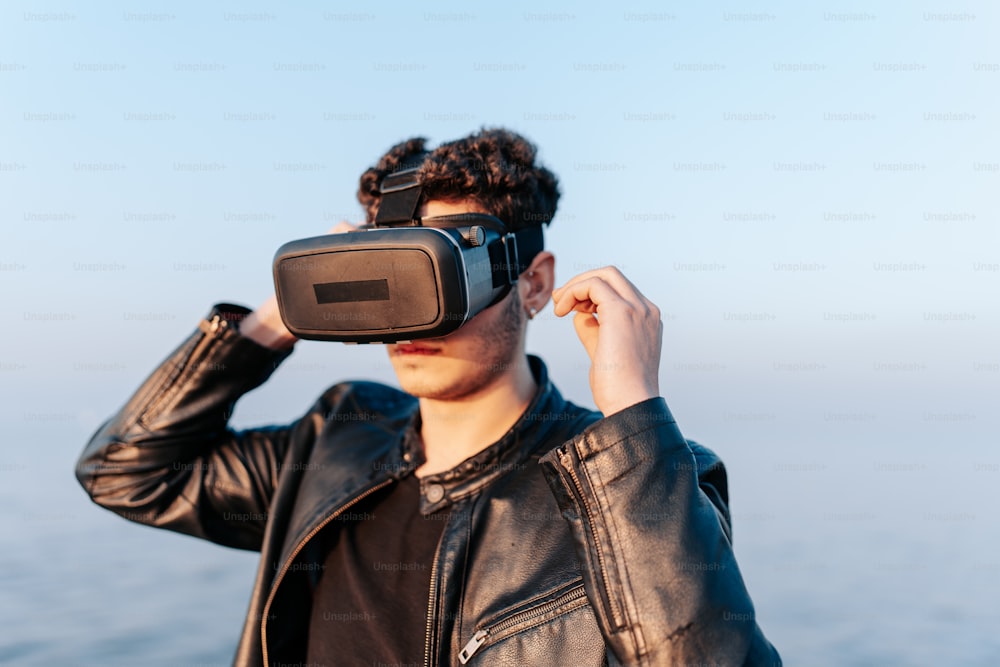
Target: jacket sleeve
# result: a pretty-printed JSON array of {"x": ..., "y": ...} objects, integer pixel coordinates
[
  {"x": 649, "y": 515},
  {"x": 167, "y": 458}
]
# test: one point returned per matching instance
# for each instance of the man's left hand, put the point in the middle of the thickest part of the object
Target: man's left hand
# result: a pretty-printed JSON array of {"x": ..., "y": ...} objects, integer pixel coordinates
[{"x": 621, "y": 331}]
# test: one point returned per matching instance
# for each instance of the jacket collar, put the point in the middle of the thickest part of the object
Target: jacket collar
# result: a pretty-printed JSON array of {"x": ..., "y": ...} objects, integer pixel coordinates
[{"x": 511, "y": 452}]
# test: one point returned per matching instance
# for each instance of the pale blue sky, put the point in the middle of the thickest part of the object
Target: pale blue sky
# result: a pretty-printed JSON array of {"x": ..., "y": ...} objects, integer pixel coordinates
[{"x": 808, "y": 191}]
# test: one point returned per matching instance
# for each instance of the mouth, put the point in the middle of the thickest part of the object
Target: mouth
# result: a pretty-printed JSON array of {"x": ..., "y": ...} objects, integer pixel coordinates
[{"x": 407, "y": 349}]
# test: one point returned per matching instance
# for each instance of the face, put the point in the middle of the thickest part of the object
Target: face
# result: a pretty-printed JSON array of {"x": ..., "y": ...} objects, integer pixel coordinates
[{"x": 481, "y": 353}]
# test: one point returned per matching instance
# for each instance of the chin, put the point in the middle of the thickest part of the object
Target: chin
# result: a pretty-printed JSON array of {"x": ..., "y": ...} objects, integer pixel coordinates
[{"x": 441, "y": 378}]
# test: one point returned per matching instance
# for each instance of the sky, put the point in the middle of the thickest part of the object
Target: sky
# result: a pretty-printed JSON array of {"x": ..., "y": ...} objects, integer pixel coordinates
[{"x": 807, "y": 191}]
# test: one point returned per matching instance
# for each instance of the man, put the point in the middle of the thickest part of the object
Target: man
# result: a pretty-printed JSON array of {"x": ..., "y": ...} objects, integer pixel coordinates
[{"x": 474, "y": 517}]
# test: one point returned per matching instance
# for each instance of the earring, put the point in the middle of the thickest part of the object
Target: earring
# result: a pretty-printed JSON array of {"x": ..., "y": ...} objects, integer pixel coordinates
[{"x": 531, "y": 313}]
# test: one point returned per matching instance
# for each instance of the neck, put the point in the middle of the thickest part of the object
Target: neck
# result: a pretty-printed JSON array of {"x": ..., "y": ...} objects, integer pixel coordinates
[{"x": 452, "y": 431}]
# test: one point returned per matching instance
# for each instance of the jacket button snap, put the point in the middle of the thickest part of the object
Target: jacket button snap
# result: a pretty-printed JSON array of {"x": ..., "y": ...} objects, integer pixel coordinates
[{"x": 435, "y": 492}]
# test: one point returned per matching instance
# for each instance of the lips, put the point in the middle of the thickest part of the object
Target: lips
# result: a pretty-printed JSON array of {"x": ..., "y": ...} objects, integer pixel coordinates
[{"x": 416, "y": 349}]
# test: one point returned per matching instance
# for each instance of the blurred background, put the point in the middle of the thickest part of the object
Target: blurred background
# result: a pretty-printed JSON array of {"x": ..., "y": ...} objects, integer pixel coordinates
[{"x": 809, "y": 193}]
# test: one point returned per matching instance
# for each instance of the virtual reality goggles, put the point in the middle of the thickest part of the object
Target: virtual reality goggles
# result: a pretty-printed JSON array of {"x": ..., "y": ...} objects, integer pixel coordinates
[{"x": 403, "y": 278}]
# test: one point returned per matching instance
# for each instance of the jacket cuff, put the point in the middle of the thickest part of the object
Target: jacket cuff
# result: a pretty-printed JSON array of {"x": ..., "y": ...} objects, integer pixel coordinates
[
  {"x": 233, "y": 313},
  {"x": 255, "y": 361}
]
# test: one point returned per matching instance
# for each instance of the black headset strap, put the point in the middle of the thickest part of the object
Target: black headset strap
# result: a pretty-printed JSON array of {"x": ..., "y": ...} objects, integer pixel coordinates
[
  {"x": 514, "y": 250},
  {"x": 530, "y": 242},
  {"x": 398, "y": 207},
  {"x": 400, "y": 196}
]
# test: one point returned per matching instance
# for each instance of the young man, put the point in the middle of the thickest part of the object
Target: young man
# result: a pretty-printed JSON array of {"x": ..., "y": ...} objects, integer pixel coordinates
[{"x": 474, "y": 517}]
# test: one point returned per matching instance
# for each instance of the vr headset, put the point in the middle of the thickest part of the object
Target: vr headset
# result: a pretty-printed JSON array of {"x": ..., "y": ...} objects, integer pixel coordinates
[{"x": 402, "y": 278}]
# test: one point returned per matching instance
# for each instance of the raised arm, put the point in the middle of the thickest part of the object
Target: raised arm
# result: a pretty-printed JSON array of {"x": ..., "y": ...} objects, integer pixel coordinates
[
  {"x": 648, "y": 510},
  {"x": 168, "y": 459}
]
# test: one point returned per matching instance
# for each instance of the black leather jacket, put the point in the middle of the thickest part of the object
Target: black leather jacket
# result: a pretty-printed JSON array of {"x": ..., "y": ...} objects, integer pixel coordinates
[{"x": 574, "y": 540}]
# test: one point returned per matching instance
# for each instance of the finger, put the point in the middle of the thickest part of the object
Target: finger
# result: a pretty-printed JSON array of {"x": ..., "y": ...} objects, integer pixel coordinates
[
  {"x": 588, "y": 295},
  {"x": 611, "y": 275},
  {"x": 587, "y": 327}
]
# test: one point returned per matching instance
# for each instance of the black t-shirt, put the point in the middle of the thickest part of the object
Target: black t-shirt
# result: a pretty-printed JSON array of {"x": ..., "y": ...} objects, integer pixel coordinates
[{"x": 370, "y": 604}]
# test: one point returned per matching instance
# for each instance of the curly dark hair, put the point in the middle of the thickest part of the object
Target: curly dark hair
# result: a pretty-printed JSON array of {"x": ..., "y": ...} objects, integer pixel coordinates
[{"x": 495, "y": 168}]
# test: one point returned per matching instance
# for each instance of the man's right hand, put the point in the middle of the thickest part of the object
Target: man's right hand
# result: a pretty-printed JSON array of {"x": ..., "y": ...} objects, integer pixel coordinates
[{"x": 264, "y": 325}]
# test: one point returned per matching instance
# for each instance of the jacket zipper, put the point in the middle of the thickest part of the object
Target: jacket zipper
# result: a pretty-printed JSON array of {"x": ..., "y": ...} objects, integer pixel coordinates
[
  {"x": 481, "y": 636},
  {"x": 298, "y": 548},
  {"x": 578, "y": 488},
  {"x": 432, "y": 600}
]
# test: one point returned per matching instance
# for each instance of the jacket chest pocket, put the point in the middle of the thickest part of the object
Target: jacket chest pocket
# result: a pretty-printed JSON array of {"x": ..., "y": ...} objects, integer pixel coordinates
[{"x": 559, "y": 630}]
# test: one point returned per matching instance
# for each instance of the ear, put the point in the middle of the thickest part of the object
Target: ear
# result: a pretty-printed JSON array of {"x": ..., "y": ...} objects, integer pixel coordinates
[{"x": 536, "y": 283}]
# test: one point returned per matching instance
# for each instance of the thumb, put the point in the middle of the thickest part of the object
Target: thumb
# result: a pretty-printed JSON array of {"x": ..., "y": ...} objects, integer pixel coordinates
[{"x": 586, "y": 326}]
